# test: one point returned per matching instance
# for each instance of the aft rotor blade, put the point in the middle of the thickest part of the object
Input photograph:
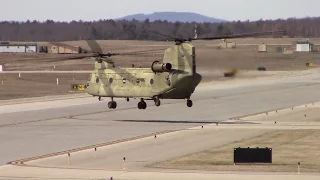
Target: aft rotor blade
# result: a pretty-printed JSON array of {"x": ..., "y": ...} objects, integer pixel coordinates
[
  {"x": 139, "y": 52},
  {"x": 163, "y": 35},
  {"x": 130, "y": 53},
  {"x": 242, "y": 35}
]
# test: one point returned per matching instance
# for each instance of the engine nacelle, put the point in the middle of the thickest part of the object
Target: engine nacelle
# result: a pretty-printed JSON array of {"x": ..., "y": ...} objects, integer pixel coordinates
[{"x": 161, "y": 67}]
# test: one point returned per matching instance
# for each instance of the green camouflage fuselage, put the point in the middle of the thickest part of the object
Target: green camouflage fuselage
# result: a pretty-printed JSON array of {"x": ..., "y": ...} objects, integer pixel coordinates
[{"x": 178, "y": 83}]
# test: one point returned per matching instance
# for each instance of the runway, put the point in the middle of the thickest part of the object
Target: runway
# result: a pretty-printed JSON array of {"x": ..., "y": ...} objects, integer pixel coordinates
[{"x": 38, "y": 128}]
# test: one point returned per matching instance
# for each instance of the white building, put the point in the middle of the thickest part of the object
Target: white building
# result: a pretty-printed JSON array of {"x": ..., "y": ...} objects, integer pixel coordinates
[
  {"x": 304, "y": 46},
  {"x": 18, "y": 48}
]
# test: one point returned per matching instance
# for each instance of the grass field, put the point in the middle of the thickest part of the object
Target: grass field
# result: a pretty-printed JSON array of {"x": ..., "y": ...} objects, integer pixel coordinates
[{"x": 289, "y": 147}]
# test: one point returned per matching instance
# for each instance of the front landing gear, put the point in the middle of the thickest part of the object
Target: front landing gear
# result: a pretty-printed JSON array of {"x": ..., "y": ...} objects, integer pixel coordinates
[
  {"x": 112, "y": 104},
  {"x": 189, "y": 103},
  {"x": 142, "y": 104}
]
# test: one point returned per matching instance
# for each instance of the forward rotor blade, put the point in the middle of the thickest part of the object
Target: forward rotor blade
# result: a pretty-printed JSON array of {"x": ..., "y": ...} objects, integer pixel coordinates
[
  {"x": 97, "y": 55},
  {"x": 53, "y": 58},
  {"x": 94, "y": 46},
  {"x": 68, "y": 58}
]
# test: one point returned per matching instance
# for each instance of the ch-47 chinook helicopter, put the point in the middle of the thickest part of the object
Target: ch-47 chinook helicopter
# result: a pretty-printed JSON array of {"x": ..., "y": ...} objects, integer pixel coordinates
[{"x": 175, "y": 77}]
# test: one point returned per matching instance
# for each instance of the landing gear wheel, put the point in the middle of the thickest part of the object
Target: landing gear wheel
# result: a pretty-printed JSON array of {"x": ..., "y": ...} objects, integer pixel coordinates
[
  {"x": 142, "y": 105},
  {"x": 189, "y": 103},
  {"x": 112, "y": 105},
  {"x": 157, "y": 101}
]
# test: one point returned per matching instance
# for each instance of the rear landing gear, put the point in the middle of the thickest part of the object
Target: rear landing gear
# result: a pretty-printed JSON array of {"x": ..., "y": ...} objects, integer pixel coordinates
[
  {"x": 157, "y": 101},
  {"x": 112, "y": 104},
  {"x": 189, "y": 103},
  {"x": 142, "y": 104}
]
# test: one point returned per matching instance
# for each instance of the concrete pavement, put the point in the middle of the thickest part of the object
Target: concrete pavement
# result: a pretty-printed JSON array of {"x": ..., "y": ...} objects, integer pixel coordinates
[{"x": 18, "y": 173}]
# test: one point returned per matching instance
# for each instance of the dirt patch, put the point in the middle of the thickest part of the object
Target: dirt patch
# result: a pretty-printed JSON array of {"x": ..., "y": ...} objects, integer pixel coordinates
[{"x": 289, "y": 148}]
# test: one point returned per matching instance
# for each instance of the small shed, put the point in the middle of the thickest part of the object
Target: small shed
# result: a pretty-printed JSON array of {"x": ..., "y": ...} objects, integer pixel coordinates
[
  {"x": 262, "y": 48},
  {"x": 60, "y": 48},
  {"x": 1, "y": 68},
  {"x": 304, "y": 46},
  {"x": 230, "y": 45}
]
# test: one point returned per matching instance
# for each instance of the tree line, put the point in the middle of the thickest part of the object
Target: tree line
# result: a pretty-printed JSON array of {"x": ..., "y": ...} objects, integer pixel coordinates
[{"x": 137, "y": 30}]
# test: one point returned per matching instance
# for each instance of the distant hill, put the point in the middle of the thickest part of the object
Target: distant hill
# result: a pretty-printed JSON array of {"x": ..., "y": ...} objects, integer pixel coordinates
[{"x": 172, "y": 17}]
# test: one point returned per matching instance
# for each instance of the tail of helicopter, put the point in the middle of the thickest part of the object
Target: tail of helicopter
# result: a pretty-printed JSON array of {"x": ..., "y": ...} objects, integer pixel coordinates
[
  {"x": 183, "y": 77},
  {"x": 182, "y": 57}
]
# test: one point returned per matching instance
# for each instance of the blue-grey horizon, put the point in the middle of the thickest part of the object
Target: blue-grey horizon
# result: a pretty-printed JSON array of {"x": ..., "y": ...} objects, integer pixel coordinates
[{"x": 62, "y": 10}]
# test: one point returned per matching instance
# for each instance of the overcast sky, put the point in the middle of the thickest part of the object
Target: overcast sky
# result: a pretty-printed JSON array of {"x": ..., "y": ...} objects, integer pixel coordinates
[{"x": 67, "y": 10}]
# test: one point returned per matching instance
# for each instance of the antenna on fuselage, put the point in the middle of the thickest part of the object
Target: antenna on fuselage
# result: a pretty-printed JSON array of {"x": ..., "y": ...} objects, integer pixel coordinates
[{"x": 195, "y": 32}]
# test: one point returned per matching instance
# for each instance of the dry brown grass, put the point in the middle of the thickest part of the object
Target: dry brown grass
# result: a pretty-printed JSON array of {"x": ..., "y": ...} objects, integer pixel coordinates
[
  {"x": 289, "y": 148},
  {"x": 37, "y": 85},
  {"x": 208, "y": 56}
]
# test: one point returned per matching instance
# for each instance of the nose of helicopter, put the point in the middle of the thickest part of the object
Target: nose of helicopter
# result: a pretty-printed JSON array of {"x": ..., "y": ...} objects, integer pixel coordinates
[
  {"x": 87, "y": 84},
  {"x": 90, "y": 89}
]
